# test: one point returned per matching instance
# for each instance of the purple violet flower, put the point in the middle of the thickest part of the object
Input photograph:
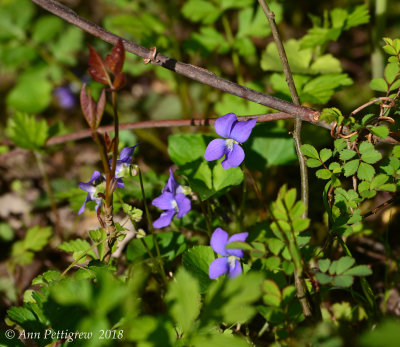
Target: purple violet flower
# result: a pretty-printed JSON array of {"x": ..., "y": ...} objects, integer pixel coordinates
[
  {"x": 92, "y": 188},
  {"x": 172, "y": 201},
  {"x": 123, "y": 164},
  {"x": 228, "y": 263},
  {"x": 234, "y": 132},
  {"x": 65, "y": 97}
]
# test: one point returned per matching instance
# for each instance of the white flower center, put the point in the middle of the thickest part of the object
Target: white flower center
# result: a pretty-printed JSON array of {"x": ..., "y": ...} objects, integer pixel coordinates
[
  {"x": 229, "y": 144},
  {"x": 174, "y": 205},
  {"x": 231, "y": 261}
]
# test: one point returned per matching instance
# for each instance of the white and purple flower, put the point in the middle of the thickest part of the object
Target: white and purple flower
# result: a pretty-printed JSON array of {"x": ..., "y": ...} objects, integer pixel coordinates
[
  {"x": 93, "y": 187},
  {"x": 234, "y": 132},
  {"x": 229, "y": 262},
  {"x": 173, "y": 201},
  {"x": 122, "y": 168}
]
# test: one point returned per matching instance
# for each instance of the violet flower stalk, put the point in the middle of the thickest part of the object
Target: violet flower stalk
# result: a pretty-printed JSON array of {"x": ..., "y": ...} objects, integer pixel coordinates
[
  {"x": 229, "y": 262},
  {"x": 235, "y": 132},
  {"x": 93, "y": 187},
  {"x": 173, "y": 201}
]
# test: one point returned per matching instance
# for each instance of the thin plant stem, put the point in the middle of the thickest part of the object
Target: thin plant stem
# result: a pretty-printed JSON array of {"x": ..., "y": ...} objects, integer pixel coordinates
[
  {"x": 49, "y": 191},
  {"x": 378, "y": 31},
  {"x": 302, "y": 292},
  {"x": 295, "y": 98},
  {"x": 150, "y": 223},
  {"x": 243, "y": 204},
  {"x": 235, "y": 56}
]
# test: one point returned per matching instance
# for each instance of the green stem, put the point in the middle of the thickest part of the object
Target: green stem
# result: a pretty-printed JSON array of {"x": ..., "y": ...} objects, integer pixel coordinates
[
  {"x": 378, "y": 30},
  {"x": 150, "y": 223},
  {"x": 235, "y": 56},
  {"x": 49, "y": 191}
]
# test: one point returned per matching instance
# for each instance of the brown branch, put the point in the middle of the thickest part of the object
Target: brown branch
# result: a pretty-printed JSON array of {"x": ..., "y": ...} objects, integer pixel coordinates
[
  {"x": 82, "y": 134},
  {"x": 191, "y": 71}
]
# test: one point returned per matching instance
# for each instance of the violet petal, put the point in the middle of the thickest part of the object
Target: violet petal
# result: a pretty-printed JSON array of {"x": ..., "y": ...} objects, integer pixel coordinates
[
  {"x": 223, "y": 125},
  {"x": 237, "y": 237},
  {"x": 218, "y": 241},
  {"x": 242, "y": 129},
  {"x": 218, "y": 268},
  {"x": 215, "y": 150},
  {"x": 164, "y": 219},
  {"x": 236, "y": 270},
  {"x": 184, "y": 204},
  {"x": 164, "y": 201}
]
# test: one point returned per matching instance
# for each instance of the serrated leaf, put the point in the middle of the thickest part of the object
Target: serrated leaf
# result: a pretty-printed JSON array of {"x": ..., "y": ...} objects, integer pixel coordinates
[
  {"x": 347, "y": 154},
  {"x": 379, "y": 180},
  {"x": 325, "y": 154},
  {"x": 391, "y": 72},
  {"x": 115, "y": 60},
  {"x": 239, "y": 245},
  {"x": 197, "y": 261},
  {"x": 211, "y": 39},
  {"x": 312, "y": 163},
  {"x": 183, "y": 298},
  {"x": 389, "y": 187},
  {"x": 343, "y": 264},
  {"x": 378, "y": 84},
  {"x": 359, "y": 16},
  {"x": 359, "y": 270},
  {"x": 369, "y": 154},
  {"x": 77, "y": 247},
  {"x": 290, "y": 198},
  {"x": 365, "y": 172},
  {"x": 324, "y": 174},
  {"x": 324, "y": 264},
  {"x": 97, "y": 67},
  {"x": 381, "y": 131},
  {"x": 300, "y": 225},
  {"x": 343, "y": 281},
  {"x": 323, "y": 278},
  {"x": 201, "y": 11},
  {"x": 272, "y": 294},
  {"x": 350, "y": 168},
  {"x": 309, "y": 151}
]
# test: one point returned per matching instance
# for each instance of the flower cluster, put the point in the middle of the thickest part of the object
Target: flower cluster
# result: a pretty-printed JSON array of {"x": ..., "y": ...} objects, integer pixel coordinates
[
  {"x": 173, "y": 201},
  {"x": 229, "y": 262},
  {"x": 95, "y": 184},
  {"x": 234, "y": 132}
]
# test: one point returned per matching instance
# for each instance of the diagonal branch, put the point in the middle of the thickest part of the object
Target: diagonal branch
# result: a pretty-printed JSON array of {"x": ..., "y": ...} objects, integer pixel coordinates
[{"x": 191, "y": 71}]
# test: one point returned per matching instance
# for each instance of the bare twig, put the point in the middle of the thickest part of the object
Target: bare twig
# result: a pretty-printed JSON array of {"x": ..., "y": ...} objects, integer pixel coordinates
[
  {"x": 191, "y": 71},
  {"x": 383, "y": 98},
  {"x": 295, "y": 98}
]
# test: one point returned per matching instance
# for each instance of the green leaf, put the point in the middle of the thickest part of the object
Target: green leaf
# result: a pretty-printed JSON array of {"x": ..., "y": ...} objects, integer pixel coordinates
[
  {"x": 224, "y": 178},
  {"x": 325, "y": 154},
  {"x": 183, "y": 299},
  {"x": 392, "y": 72},
  {"x": 200, "y": 11},
  {"x": 299, "y": 59},
  {"x": 239, "y": 245},
  {"x": 347, "y": 154},
  {"x": 343, "y": 281},
  {"x": 251, "y": 24},
  {"x": 368, "y": 153},
  {"x": 217, "y": 340},
  {"x": 272, "y": 294},
  {"x": 309, "y": 151},
  {"x": 359, "y": 16},
  {"x": 211, "y": 40},
  {"x": 359, "y": 270},
  {"x": 350, "y": 168},
  {"x": 323, "y": 174},
  {"x": 378, "y": 84},
  {"x": 77, "y": 247},
  {"x": 365, "y": 172},
  {"x": 231, "y": 300},
  {"x": 320, "y": 89},
  {"x": 232, "y": 4},
  {"x": 343, "y": 264},
  {"x": 6, "y": 232},
  {"x": 32, "y": 93},
  {"x": 66, "y": 48},
  {"x": 323, "y": 278},
  {"x": 379, "y": 180},
  {"x": 27, "y": 132},
  {"x": 196, "y": 261},
  {"x": 185, "y": 148},
  {"x": 323, "y": 264},
  {"x": 45, "y": 28},
  {"x": 318, "y": 36},
  {"x": 313, "y": 163},
  {"x": 381, "y": 131}
]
